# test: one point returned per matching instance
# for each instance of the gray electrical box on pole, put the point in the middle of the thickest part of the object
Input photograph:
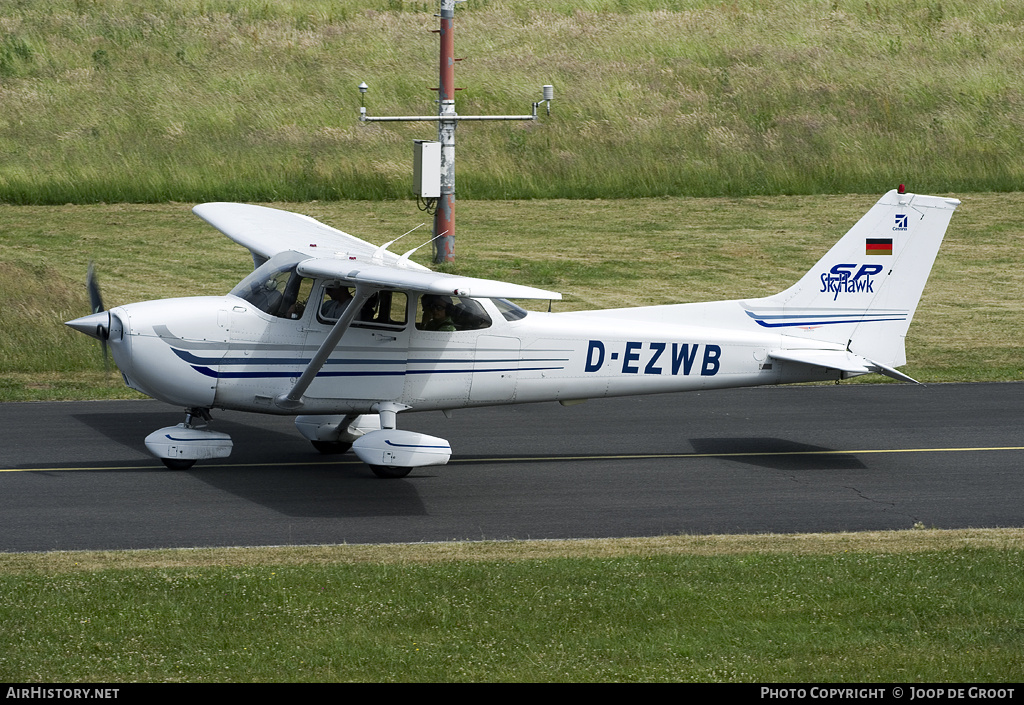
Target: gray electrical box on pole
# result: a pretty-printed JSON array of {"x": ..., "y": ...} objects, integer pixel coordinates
[
  {"x": 434, "y": 162},
  {"x": 426, "y": 169}
]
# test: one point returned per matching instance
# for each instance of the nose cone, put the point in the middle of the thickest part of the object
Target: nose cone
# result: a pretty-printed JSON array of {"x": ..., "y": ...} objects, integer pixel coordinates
[{"x": 96, "y": 325}]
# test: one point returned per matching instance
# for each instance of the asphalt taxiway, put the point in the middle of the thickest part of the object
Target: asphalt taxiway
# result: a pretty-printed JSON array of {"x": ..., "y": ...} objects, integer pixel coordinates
[{"x": 76, "y": 475}]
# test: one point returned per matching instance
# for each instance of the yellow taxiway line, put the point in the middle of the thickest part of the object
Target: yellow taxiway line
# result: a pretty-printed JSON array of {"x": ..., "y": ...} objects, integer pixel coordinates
[{"x": 638, "y": 456}]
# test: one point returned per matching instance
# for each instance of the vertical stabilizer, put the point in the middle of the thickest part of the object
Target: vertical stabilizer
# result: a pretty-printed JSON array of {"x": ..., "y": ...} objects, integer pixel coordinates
[{"x": 863, "y": 293}]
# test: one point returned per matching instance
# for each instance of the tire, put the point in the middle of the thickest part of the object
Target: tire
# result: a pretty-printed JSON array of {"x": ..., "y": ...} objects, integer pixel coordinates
[
  {"x": 177, "y": 463},
  {"x": 331, "y": 447},
  {"x": 390, "y": 472}
]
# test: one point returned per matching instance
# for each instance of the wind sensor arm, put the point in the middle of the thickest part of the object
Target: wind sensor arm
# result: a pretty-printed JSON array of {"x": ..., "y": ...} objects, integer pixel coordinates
[{"x": 547, "y": 91}]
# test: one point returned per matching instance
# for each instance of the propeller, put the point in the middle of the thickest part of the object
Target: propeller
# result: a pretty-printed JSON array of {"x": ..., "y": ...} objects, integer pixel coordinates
[
  {"x": 95, "y": 298},
  {"x": 96, "y": 302},
  {"x": 97, "y": 324}
]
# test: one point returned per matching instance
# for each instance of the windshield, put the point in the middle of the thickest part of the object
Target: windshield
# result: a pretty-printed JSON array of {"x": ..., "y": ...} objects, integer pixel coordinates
[{"x": 275, "y": 287}]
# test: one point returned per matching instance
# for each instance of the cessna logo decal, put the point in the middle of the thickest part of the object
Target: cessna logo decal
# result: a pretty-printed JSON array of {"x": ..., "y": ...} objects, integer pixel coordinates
[
  {"x": 656, "y": 358},
  {"x": 841, "y": 279}
]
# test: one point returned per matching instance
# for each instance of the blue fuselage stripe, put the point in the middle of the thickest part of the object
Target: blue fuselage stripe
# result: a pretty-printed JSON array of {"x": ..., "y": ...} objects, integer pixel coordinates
[
  {"x": 794, "y": 320},
  {"x": 288, "y": 374},
  {"x": 796, "y": 324}
]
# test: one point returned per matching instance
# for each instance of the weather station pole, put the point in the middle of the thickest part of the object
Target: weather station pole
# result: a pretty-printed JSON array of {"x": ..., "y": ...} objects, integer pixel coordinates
[
  {"x": 443, "y": 201},
  {"x": 444, "y": 216}
]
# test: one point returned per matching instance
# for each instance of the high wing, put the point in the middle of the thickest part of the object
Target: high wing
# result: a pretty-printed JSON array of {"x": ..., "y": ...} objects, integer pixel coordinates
[
  {"x": 425, "y": 281},
  {"x": 267, "y": 231},
  {"x": 334, "y": 254}
]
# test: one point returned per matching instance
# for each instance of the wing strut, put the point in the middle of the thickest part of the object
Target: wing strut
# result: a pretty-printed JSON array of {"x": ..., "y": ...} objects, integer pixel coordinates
[{"x": 293, "y": 398}]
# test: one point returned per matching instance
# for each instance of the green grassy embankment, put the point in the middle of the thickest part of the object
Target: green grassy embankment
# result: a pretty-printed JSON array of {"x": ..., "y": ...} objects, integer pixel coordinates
[{"x": 194, "y": 100}]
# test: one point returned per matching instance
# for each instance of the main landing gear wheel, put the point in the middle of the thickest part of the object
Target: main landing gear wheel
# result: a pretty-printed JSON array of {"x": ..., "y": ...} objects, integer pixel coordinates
[
  {"x": 390, "y": 472},
  {"x": 177, "y": 463},
  {"x": 331, "y": 447}
]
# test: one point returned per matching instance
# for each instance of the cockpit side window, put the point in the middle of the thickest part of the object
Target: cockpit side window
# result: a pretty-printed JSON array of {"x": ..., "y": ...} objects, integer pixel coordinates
[
  {"x": 392, "y": 308},
  {"x": 384, "y": 308},
  {"x": 336, "y": 298}
]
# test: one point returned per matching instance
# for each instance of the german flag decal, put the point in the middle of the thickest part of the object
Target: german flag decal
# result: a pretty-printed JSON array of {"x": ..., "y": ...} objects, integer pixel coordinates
[{"x": 878, "y": 246}]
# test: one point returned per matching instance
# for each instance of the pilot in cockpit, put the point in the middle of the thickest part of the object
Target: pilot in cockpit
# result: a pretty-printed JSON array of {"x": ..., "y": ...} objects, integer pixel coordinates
[{"x": 339, "y": 299}]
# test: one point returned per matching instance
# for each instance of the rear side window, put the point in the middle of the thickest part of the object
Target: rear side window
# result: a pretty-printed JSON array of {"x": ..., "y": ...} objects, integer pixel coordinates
[
  {"x": 450, "y": 313},
  {"x": 509, "y": 310}
]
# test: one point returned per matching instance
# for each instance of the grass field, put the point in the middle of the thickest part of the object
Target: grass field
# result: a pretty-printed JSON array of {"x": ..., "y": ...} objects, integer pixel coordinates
[{"x": 918, "y": 606}]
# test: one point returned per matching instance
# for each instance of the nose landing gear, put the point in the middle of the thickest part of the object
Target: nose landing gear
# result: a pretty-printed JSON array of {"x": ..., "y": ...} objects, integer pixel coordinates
[{"x": 179, "y": 447}]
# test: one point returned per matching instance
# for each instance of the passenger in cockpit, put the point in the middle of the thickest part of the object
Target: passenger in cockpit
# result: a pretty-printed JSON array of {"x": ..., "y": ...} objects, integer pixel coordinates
[{"x": 437, "y": 313}]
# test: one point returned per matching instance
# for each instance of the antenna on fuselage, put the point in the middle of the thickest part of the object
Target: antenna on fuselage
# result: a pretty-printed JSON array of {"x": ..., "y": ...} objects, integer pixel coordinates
[
  {"x": 405, "y": 258},
  {"x": 378, "y": 255}
]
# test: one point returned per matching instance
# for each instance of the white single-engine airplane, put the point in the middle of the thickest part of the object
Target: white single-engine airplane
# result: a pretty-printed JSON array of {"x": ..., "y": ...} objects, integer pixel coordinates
[{"x": 328, "y": 327}]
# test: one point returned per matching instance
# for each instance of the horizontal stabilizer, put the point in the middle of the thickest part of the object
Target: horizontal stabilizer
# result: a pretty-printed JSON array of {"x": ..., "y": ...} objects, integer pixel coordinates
[{"x": 840, "y": 360}]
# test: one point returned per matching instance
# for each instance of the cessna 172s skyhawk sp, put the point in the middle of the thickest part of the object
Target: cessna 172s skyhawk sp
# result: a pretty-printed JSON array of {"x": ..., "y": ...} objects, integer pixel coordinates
[{"x": 327, "y": 327}]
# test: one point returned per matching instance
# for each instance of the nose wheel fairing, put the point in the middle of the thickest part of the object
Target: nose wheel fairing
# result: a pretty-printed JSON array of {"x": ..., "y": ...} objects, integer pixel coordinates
[{"x": 179, "y": 447}]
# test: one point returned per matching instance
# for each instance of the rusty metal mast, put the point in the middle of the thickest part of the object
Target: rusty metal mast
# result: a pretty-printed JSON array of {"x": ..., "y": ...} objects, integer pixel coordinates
[{"x": 447, "y": 119}]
